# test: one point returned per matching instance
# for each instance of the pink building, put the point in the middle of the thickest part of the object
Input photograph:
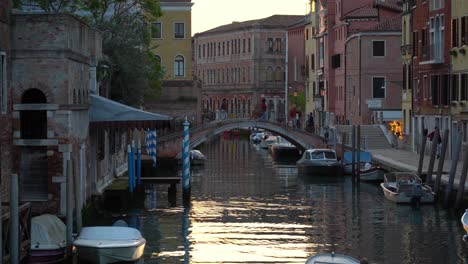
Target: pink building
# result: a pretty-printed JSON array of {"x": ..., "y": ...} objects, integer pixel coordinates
[
  {"x": 373, "y": 71},
  {"x": 338, "y": 21}
]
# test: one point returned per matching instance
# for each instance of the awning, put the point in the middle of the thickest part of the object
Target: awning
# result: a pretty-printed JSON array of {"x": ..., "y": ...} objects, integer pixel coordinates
[
  {"x": 106, "y": 110},
  {"x": 389, "y": 115}
]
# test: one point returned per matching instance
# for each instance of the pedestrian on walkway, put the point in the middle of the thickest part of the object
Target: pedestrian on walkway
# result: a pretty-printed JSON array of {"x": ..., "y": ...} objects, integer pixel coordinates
[{"x": 438, "y": 142}]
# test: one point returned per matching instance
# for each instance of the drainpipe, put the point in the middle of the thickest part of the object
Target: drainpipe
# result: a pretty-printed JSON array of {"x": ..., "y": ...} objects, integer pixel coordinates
[
  {"x": 360, "y": 77},
  {"x": 345, "y": 82},
  {"x": 286, "y": 72}
]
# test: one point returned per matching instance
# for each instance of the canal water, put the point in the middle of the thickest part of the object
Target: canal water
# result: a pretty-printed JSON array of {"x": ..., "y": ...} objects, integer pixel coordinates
[{"x": 247, "y": 208}]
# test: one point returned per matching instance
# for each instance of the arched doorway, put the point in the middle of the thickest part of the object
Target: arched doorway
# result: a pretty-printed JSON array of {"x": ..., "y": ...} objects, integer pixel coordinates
[{"x": 33, "y": 161}]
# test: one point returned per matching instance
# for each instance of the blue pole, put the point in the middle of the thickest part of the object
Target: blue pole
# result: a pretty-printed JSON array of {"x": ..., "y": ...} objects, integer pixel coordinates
[
  {"x": 139, "y": 163},
  {"x": 129, "y": 168},
  {"x": 133, "y": 165},
  {"x": 186, "y": 163}
]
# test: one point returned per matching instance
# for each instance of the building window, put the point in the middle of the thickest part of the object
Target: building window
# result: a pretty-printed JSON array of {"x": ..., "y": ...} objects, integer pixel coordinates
[
  {"x": 435, "y": 90},
  {"x": 224, "y": 48},
  {"x": 378, "y": 87},
  {"x": 204, "y": 50},
  {"x": 249, "y": 49},
  {"x": 464, "y": 30},
  {"x": 423, "y": 42},
  {"x": 454, "y": 32},
  {"x": 270, "y": 45},
  {"x": 464, "y": 87},
  {"x": 3, "y": 82},
  {"x": 278, "y": 45},
  {"x": 278, "y": 74},
  {"x": 156, "y": 30},
  {"x": 179, "y": 30},
  {"x": 199, "y": 51},
  {"x": 415, "y": 43},
  {"x": 405, "y": 79},
  {"x": 312, "y": 61},
  {"x": 425, "y": 88},
  {"x": 243, "y": 45},
  {"x": 179, "y": 66},
  {"x": 454, "y": 87},
  {"x": 227, "y": 48},
  {"x": 378, "y": 48},
  {"x": 336, "y": 61},
  {"x": 444, "y": 91}
]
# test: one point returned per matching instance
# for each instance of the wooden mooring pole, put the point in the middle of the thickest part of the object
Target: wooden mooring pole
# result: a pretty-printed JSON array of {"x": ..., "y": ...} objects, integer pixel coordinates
[
  {"x": 358, "y": 169},
  {"x": 353, "y": 150},
  {"x": 453, "y": 167},
  {"x": 69, "y": 229},
  {"x": 1, "y": 231},
  {"x": 440, "y": 167},
  {"x": 14, "y": 220},
  {"x": 421, "y": 151},
  {"x": 430, "y": 168},
  {"x": 461, "y": 184}
]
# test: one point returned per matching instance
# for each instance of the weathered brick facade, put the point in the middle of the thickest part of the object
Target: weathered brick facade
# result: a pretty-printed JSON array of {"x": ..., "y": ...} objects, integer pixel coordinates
[{"x": 240, "y": 64}]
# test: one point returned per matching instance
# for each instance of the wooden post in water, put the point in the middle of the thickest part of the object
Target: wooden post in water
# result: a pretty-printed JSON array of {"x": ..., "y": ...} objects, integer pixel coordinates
[
  {"x": 440, "y": 167},
  {"x": 343, "y": 144},
  {"x": 1, "y": 231},
  {"x": 358, "y": 169},
  {"x": 353, "y": 150},
  {"x": 461, "y": 184},
  {"x": 453, "y": 167},
  {"x": 69, "y": 236},
  {"x": 430, "y": 168},
  {"x": 78, "y": 204},
  {"x": 421, "y": 152},
  {"x": 14, "y": 220}
]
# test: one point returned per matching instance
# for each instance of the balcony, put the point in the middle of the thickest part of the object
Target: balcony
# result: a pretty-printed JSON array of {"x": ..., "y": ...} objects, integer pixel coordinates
[{"x": 432, "y": 54}]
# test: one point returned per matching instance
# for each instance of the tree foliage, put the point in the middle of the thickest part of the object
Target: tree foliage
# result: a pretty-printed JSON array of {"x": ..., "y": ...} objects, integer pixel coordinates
[{"x": 135, "y": 72}]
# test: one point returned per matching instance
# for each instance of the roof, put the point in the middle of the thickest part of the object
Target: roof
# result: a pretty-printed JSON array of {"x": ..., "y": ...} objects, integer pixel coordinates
[
  {"x": 390, "y": 4},
  {"x": 363, "y": 12},
  {"x": 106, "y": 110},
  {"x": 391, "y": 24},
  {"x": 275, "y": 21}
]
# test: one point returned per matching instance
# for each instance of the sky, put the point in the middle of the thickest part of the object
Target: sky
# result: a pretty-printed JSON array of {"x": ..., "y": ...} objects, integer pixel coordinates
[{"x": 208, "y": 14}]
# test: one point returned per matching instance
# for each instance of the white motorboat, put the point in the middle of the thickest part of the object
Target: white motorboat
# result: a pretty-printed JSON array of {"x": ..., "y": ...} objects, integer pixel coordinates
[
  {"x": 406, "y": 187},
  {"x": 331, "y": 258},
  {"x": 197, "y": 158},
  {"x": 464, "y": 220},
  {"x": 371, "y": 174},
  {"x": 109, "y": 244},
  {"x": 48, "y": 239},
  {"x": 283, "y": 149},
  {"x": 268, "y": 141},
  {"x": 320, "y": 162}
]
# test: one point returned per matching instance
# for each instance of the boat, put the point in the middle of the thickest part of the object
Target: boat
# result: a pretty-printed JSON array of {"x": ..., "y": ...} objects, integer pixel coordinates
[
  {"x": 372, "y": 174},
  {"x": 48, "y": 239},
  {"x": 406, "y": 187},
  {"x": 257, "y": 137},
  {"x": 365, "y": 157},
  {"x": 319, "y": 162},
  {"x": 197, "y": 158},
  {"x": 331, "y": 258},
  {"x": 109, "y": 244},
  {"x": 283, "y": 149},
  {"x": 267, "y": 141}
]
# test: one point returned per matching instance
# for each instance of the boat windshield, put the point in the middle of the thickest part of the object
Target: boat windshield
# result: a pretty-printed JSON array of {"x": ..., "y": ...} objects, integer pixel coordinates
[{"x": 323, "y": 155}]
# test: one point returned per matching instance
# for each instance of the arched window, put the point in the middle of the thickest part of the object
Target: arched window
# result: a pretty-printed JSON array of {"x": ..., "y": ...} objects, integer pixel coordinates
[
  {"x": 269, "y": 74},
  {"x": 278, "y": 74},
  {"x": 179, "y": 66},
  {"x": 33, "y": 122}
]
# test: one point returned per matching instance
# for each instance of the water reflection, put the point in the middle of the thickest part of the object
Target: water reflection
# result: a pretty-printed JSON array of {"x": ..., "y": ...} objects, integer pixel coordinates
[{"x": 247, "y": 208}]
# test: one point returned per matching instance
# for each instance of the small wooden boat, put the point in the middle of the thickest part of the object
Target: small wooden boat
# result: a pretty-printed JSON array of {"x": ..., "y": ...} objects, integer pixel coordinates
[
  {"x": 364, "y": 156},
  {"x": 319, "y": 162},
  {"x": 283, "y": 149},
  {"x": 268, "y": 141},
  {"x": 406, "y": 187},
  {"x": 331, "y": 258},
  {"x": 109, "y": 244},
  {"x": 48, "y": 239},
  {"x": 464, "y": 220},
  {"x": 372, "y": 174}
]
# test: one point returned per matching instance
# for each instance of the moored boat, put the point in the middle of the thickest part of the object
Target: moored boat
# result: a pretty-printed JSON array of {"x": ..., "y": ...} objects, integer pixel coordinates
[
  {"x": 48, "y": 239},
  {"x": 331, "y": 258},
  {"x": 109, "y": 244},
  {"x": 197, "y": 158},
  {"x": 372, "y": 174},
  {"x": 406, "y": 187},
  {"x": 364, "y": 156},
  {"x": 464, "y": 220},
  {"x": 283, "y": 149},
  {"x": 268, "y": 141},
  {"x": 319, "y": 162}
]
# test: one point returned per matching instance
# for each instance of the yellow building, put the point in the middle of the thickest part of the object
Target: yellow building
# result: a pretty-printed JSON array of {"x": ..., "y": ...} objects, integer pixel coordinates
[
  {"x": 171, "y": 35},
  {"x": 407, "y": 60},
  {"x": 459, "y": 62},
  {"x": 310, "y": 52}
]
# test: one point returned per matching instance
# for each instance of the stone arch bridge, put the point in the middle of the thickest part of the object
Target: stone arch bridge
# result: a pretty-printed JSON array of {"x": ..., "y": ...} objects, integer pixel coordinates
[{"x": 170, "y": 146}]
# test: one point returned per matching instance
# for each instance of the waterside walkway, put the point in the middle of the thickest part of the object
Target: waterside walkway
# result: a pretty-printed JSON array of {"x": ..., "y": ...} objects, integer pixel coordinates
[{"x": 405, "y": 160}]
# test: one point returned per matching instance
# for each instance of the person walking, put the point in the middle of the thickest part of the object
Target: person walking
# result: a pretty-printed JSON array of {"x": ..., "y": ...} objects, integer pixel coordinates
[{"x": 439, "y": 141}]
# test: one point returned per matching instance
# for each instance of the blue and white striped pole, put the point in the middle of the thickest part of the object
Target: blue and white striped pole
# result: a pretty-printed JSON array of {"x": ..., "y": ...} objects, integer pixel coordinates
[
  {"x": 186, "y": 163},
  {"x": 139, "y": 163},
  {"x": 129, "y": 168}
]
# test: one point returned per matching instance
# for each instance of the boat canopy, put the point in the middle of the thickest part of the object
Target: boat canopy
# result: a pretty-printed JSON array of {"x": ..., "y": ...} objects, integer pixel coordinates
[
  {"x": 365, "y": 157},
  {"x": 47, "y": 232}
]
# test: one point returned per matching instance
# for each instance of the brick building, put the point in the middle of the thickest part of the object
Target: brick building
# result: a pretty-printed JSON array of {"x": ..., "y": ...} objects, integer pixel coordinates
[{"x": 242, "y": 63}]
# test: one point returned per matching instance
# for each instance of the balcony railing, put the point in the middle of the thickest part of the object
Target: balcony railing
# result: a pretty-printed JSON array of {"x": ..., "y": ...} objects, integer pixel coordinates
[
  {"x": 432, "y": 53},
  {"x": 406, "y": 49}
]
